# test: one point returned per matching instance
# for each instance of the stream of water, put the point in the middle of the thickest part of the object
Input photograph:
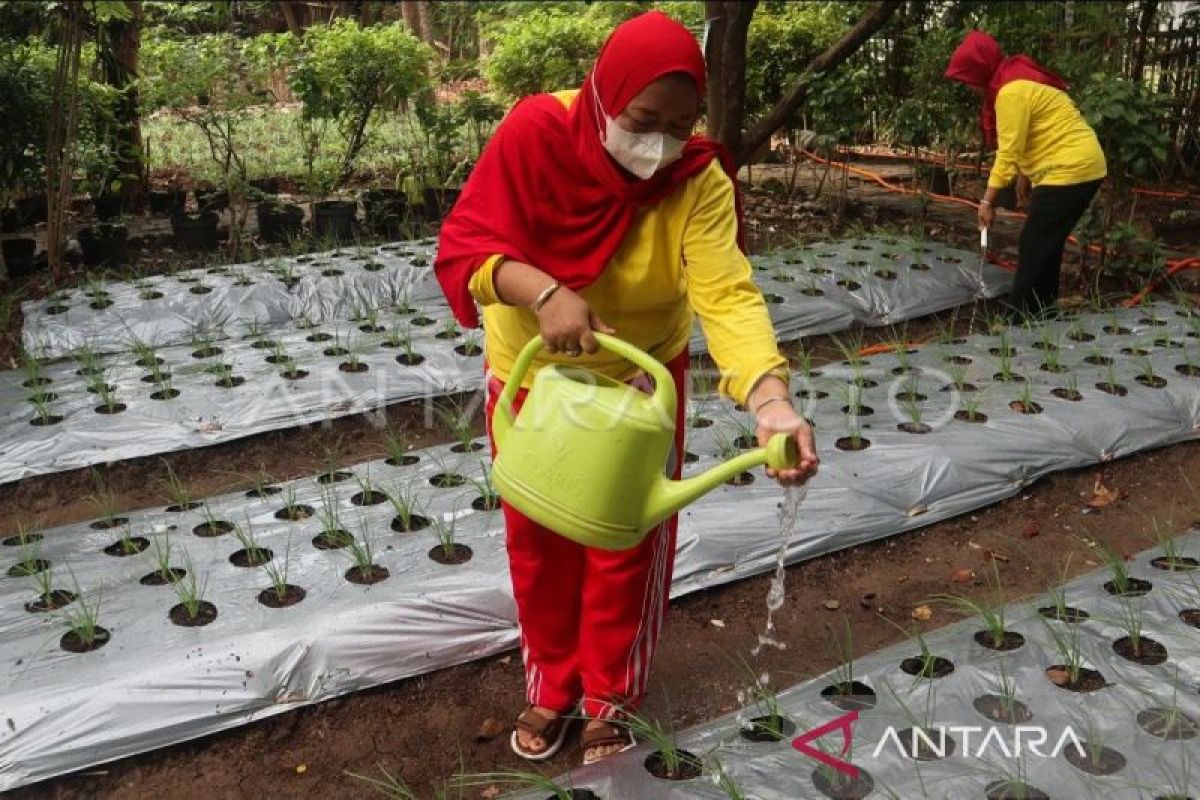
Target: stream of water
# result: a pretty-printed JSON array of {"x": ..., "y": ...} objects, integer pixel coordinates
[{"x": 789, "y": 513}]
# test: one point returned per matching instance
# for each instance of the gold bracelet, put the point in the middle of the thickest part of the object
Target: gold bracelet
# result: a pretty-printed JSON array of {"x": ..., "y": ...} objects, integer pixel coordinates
[
  {"x": 770, "y": 400},
  {"x": 545, "y": 296}
]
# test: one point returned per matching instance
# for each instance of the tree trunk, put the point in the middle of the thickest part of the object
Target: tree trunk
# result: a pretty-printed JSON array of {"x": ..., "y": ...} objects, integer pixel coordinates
[
  {"x": 874, "y": 18},
  {"x": 424, "y": 22},
  {"x": 714, "y": 49},
  {"x": 1145, "y": 23},
  {"x": 733, "y": 72},
  {"x": 289, "y": 16},
  {"x": 118, "y": 56},
  {"x": 61, "y": 132},
  {"x": 412, "y": 17}
]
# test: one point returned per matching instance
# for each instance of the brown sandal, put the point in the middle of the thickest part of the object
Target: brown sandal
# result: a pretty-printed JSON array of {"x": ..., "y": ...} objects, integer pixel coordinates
[
  {"x": 552, "y": 730},
  {"x": 606, "y": 735}
]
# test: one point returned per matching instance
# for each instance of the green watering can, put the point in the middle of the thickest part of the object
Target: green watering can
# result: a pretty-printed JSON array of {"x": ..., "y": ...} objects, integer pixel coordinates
[{"x": 585, "y": 457}]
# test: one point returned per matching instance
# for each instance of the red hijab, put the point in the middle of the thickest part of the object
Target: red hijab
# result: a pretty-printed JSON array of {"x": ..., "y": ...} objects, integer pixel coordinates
[
  {"x": 546, "y": 192},
  {"x": 979, "y": 61}
]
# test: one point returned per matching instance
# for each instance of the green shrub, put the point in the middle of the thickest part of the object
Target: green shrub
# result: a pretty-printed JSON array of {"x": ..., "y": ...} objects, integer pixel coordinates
[
  {"x": 545, "y": 50},
  {"x": 783, "y": 39},
  {"x": 25, "y": 75},
  {"x": 1130, "y": 122}
]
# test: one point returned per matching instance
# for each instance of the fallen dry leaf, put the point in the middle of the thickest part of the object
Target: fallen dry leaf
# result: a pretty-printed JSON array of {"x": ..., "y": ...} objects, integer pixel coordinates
[
  {"x": 922, "y": 613},
  {"x": 963, "y": 575},
  {"x": 995, "y": 555},
  {"x": 832, "y": 605},
  {"x": 1059, "y": 677},
  {"x": 1031, "y": 529},
  {"x": 717, "y": 623},
  {"x": 301, "y": 769},
  {"x": 1102, "y": 496},
  {"x": 491, "y": 792},
  {"x": 490, "y": 728}
]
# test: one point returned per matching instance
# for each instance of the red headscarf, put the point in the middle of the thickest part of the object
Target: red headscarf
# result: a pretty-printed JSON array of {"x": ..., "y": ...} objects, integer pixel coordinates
[
  {"x": 546, "y": 192},
  {"x": 979, "y": 61}
]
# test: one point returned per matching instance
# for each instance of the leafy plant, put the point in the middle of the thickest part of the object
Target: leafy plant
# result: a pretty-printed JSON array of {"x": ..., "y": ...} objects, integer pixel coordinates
[
  {"x": 990, "y": 611},
  {"x": 444, "y": 530},
  {"x": 662, "y": 739},
  {"x": 187, "y": 589},
  {"x": 1065, "y": 640},
  {"x": 277, "y": 574},
  {"x": 82, "y": 617}
]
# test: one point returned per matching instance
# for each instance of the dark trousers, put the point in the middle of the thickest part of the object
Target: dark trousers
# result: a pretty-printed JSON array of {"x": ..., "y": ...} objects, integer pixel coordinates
[{"x": 1053, "y": 212}]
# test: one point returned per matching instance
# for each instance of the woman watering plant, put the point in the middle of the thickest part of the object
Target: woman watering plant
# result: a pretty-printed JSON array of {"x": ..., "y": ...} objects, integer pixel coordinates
[
  {"x": 597, "y": 210},
  {"x": 1042, "y": 140}
]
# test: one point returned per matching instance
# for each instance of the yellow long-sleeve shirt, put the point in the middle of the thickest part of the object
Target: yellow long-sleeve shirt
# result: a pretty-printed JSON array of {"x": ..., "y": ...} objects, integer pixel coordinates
[
  {"x": 1041, "y": 133},
  {"x": 678, "y": 258}
]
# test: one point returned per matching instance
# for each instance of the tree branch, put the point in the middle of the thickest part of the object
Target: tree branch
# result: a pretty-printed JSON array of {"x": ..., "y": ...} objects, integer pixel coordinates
[{"x": 871, "y": 21}]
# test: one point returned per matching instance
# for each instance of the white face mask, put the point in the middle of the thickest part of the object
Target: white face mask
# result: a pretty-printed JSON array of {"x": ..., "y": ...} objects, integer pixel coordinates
[{"x": 642, "y": 154}]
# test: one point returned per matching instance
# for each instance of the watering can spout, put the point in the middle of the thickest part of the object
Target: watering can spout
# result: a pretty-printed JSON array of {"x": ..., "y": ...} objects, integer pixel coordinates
[{"x": 669, "y": 496}]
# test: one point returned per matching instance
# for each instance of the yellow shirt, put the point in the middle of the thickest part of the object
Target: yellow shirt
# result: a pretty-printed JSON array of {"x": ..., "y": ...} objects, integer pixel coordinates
[
  {"x": 678, "y": 258},
  {"x": 1041, "y": 133}
]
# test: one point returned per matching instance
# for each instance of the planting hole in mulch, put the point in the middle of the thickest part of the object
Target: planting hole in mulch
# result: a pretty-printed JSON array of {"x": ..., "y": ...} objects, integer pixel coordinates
[
  {"x": 319, "y": 336},
  {"x": 863, "y": 411},
  {"x": 295, "y": 374},
  {"x": 369, "y": 328},
  {"x": 1068, "y": 614},
  {"x": 161, "y": 578},
  {"x": 36, "y": 383},
  {"x": 924, "y": 744},
  {"x": 349, "y": 366},
  {"x": 997, "y": 708},
  {"x": 962, "y": 415},
  {"x": 447, "y": 480},
  {"x": 1009, "y": 640},
  {"x": 935, "y": 667},
  {"x": 452, "y": 554},
  {"x": 1008, "y": 352},
  {"x": 368, "y": 498},
  {"x": 1102, "y": 761},
  {"x": 230, "y": 382},
  {"x": 853, "y": 696},
  {"x": 1167, "y": 723},
  {"x": 863, "y": 383},
  {"x": 263, "y": 491},
  {"x": 271, "y": 598},
  {"x": 207, "y": 352},
  {"x": 1098, "y": 360},
  {"x": 482, "y": 503},
  {"x": 217, "y": 527},
  {"x": 127, "y": 547},
  {"x": 335, "y": 352},
  {"x": 367, "y": 575},
  {"x": 416, "y": 522},
  {"x": 1112, "y": 388},
  {"x": 109, "y": 522},
  {"x": 1116, "y": 330},
  {"x": 1055, "y": 368},
  {"x": 164, "y": 394},
  {"x": 446, "y": 335},
  {"x": 100, "y": 305},
  {"x": 206, "y": 613},
  {"x": 1014, "y": 790},
  {"x": 332, "y": 272},
  {"x": 1089, "y": 680},
  {"x": 1190, "y": 370},
  {"x": 886, "y": 274},
  {"x": 28, "y": 567},
  {"x": 1134, "y": 351},
  {"x": 247, "y": 557},
  {"x": 1148, "y": 652},
  {"x": 152, "y": 378},
  {"x": 688, "y": 766},
  {"x": 50, "y": 601},
  {"x": 1171, "y": 344},
  {"x": 690, "y": 458},
  {"x": 263, "y": 344},
  {"x": 473, "y": 447},
  {"x": 423, "y": 321},
  {"x": 811, "y": 292},
  {"x": 468, "y": 349},
  {"x": 75, "y": 641},
  {"x": 839, "y": 786},
  {"x": 909, "y": 397},
  {"x": 959, "y": 360},
  {"x": 408, "y": 360},
  {"x": 336, "y": 476},
  {"x": 95, "y": 390},
  {"x": 42, "y": 397},
  {"x": 200, "y": 289},
  {"x": 1025, "y": 408},
  {"x": 1080, "y": 336},
  {"x": 745, "y": 443},
  {"x": 1151, "y": 381},
  {"x": 699, "y": 422},
  {"x": 812, "y": 394},
  {"x": 852, "y": 444},
  {"x": 1175, "y": 563},
  {"x": 741, "y": 479},
  {"x": 403, "y": 461},
  {"x": 1134, "y": 587},
  {"x": 849, "y": 285},
  {"x": 295, "y": 513},
  {"x": 115, "y": 408},
  {"x": 57, "y": 308},
  {"x": 768, "y": 729},
  {"x": 49, "y": 419},
  {"x": 1010, "y": 377},
  {"x": 1062, "y": 393},
  {"x": 914, "y": 427},
  {"x": 334, "y": 539}
]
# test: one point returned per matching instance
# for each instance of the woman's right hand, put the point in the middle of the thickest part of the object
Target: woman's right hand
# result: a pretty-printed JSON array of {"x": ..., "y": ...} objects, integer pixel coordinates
[{"x": 567, "y": 324}]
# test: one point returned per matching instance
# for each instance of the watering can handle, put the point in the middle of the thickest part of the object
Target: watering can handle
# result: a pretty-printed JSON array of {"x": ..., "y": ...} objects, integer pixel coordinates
[{"x": 664, "y": 383}]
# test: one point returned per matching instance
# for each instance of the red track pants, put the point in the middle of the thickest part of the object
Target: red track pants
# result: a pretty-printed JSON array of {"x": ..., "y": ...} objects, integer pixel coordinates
[{"x": 589, "y": 618}]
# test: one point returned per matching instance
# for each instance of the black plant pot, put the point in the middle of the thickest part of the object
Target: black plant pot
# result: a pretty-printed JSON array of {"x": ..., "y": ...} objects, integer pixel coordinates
[
  {"x": 107, "y": 205},
  {"x": 265, "y": 185},
  {"x": 166, "y": 201},
  {"x": 18, "y": 256},
  {"x": 334, "y": 219},
  {"x": 212, "y": 199},
  {"x": 103, "y": 244},
  {"x": 195, "y": 231},
  {"x": 439, "y": 201},
  {"x": 386, "y": 211},
  {"x": 279, "y": 223}
]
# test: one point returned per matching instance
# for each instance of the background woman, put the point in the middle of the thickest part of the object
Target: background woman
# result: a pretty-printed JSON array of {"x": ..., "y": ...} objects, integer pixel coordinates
[
  {"x": 597, "y": 210},
  {"x": 1041, "y": 138}
]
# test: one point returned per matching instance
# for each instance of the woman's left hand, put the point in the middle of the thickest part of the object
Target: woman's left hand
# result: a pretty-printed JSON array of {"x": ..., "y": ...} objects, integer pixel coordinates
[{"x": 780, "y": 417}]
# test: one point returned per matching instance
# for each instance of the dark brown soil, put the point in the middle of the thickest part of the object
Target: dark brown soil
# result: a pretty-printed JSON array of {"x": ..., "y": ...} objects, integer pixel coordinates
[
  {"x": 1089, "y": 680},
  {"x": 963, "y": 415},
  {"x": 473, "y": 447},
  {"x": 839, "y": 786},
  {"x": 768, "y": 729},
  {"x": 332, "y": 540},
  {"x": 482, "y": 503},
  {"x": 217, "y": 527},
  {"x": 1134, "y": 587},
  {"x": 1151, "y": 381},
  {"x": 447, "y": 480},
  {"x": 347, "y": 366},
  {"x": 1166, "y": 723},
  {"x": 914, "y": 427},
  {"x": 454, "y": 554},
  {"x": 27, "y": 567},
  {"x": 296, "y": 513},
  {"x": 230, "y": 382},
  {"x": 1175, "y": 563},
  {"x": 52, "y": 600},
  {"x": 1190, "y": 370},
  {"x": 127, "y": 547},
  {"x": 689, "y": 766},
  {"x": 334, "y": 476},
  {"x": 416, "y": 522},
  {"x": 1112, "y": 388},
  {"x": 1067, "y": 394},
  {"x": 1009, "y": 640},
  {"x": 74, "y": 642},
  {"x": 996, "y": 708},
  {"x": 1014, "y": 790},
  {"x": 741, "y": 479},
  {"x": 404, "y": 359},
  {"x": 936, "y": 667},
  {"x": 1011, "y": 377},
  {"x": 206, "y": 613},
  {"x": 367, "y": 575},
  {"x": 251, "y": 558},
  {"x": 368, "y": 498},
  {"x": 852, "y": 696},
  {"x": 923, "y": 751},
  {"x": 161, "y": 578},
  {"x": 1190, "y": 616},
  {"x": 1148, "y": 652},
  {"x": 270, "y": 598},
  {"x": 852, "y": 444},
  {"x": 1068, "y": 614}
]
